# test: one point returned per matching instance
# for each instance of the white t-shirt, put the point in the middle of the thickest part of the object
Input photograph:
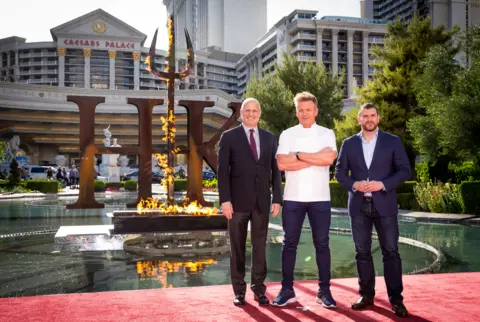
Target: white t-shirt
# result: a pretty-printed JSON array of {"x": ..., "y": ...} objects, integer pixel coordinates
[{"x": 312, "y": 183}]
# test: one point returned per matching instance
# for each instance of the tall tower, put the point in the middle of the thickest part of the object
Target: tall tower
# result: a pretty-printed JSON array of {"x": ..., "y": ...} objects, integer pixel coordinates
[{"x": 230, "y": 25}]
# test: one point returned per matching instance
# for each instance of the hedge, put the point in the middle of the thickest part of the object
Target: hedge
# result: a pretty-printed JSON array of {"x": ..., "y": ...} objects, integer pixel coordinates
[
  {"x": 99, "y": 186},
  {"x": 131, "y": 185},
  {"x": 338, "y": 195},
  {"x": 114, "y": 185},
  {"x": 407, "y": 187},
  {"x": 45, "y": 186},
  {"x": 470, "y": 192},
  {"x": 180, "y": 185},
  {"x": 407, "y": 201}
]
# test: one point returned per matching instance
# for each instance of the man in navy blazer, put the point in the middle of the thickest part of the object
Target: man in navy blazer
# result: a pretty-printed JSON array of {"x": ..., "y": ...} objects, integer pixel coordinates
[{"x": 371, "y": 165}]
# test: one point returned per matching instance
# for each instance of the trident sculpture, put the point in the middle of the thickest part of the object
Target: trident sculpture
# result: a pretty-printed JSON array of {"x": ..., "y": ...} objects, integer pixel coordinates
[{"x": 169, "y": 76}]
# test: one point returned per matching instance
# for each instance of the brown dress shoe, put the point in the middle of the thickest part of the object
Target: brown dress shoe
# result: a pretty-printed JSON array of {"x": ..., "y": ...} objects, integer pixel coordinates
[
  {"x": 362, "y": 303},
  {"x": 239, "y": 300},
  {"x": 399, "y": 309},
  {"x": 261, "y": 299}
]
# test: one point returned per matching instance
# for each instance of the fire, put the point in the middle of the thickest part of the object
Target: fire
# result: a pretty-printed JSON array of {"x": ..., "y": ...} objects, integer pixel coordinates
[{"x": 188, "y": 208}]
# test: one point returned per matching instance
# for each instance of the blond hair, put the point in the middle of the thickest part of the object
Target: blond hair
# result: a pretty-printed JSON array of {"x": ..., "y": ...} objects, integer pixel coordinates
[{"x": 305, "y": 97}]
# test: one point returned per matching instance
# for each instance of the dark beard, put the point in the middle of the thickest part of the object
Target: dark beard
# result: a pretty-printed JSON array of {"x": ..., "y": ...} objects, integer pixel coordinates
[{"x": 367, "y": 130}]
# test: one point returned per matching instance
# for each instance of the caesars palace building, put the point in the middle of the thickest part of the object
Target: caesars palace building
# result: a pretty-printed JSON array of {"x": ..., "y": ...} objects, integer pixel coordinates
[{"x": 100, "y": 55}]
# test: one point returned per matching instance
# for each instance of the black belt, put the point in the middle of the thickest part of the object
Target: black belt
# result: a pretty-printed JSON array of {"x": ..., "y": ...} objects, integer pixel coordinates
[{"x": 368, "y": 198}]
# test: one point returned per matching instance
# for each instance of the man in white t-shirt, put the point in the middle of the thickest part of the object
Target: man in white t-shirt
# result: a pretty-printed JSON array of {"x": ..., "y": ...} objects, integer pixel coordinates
[{"x": 305, "y": 153}]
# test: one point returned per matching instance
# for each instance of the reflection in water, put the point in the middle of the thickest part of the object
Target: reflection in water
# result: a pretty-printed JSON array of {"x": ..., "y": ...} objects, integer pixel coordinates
[{"x": 159, "y": 270}]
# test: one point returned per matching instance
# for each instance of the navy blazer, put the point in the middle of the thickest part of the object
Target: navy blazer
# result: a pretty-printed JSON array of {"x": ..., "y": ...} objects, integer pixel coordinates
[
  {"x": 243, "y": 180},
  {"x": 390, "y": 165}
]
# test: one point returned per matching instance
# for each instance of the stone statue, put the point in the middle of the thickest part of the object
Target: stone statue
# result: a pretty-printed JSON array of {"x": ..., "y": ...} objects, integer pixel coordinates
[
  {"x": 354, "y": 86},
  {"x": 12, "y": 148},
  {"x": 108, "y": 135},
  {"x": 60, "y": 160}
]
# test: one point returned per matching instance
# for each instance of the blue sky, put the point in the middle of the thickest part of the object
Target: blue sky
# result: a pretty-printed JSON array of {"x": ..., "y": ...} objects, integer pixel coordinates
[{"x": 33, "y": 19}]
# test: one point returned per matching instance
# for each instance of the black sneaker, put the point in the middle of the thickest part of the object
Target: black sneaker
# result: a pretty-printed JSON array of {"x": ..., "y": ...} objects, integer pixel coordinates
[
  {"x": 326, "y": 300},
  {"x": 284, "y": 297},
  {"x": 400, "y": 309}
]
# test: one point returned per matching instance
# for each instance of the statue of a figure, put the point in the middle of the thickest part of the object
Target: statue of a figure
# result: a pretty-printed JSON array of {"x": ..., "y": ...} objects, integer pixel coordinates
[
  {"x": 354, "y": 88},
  {"x": 108, "y": 135},
  {"x": 12, "y": 148}
]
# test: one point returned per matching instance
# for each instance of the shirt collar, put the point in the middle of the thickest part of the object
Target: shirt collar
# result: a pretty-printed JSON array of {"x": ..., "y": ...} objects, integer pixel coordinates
[
  {"x": 247, "y": 129},
  {"x": 373, "y": 139},
  {"x": 307, "y": 128}
]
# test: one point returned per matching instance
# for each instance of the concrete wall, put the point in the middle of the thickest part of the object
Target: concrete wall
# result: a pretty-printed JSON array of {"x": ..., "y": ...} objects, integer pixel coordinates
[{"x": 215, "y": 23}]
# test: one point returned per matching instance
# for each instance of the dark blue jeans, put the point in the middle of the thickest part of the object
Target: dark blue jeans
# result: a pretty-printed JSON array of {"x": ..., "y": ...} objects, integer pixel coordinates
[
  {"x": 319, "y": 216},
  {"x": 387, "y": 231}
]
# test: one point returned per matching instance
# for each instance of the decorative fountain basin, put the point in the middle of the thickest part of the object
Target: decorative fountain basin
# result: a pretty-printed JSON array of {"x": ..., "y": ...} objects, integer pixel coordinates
[{"x": 133, "y": 221}]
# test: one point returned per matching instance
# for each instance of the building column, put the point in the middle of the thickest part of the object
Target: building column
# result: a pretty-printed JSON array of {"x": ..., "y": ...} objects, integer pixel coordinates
[
  {"x": 319, "y": 45},
  {"x": 334, "y": 52},
  {"x": 16, "y": 70},
  {"x": 87, "y": 53},
  {"x": 365, "y": 58},
  {"x": 61, "y": 52},
  {"x": 136, "y": 55},
  {"x": 8, "y": 58},
  {"x": 350, "y": 83},
  {"x": 259, "y": 66},
  {"x": 112, "y": 54}
]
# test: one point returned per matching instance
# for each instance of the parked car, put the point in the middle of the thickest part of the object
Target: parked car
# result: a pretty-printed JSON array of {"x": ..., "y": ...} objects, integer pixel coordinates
[
  {"x": 206, "y": 175},
  {"x": 39, "y": 172},
  {"x": 156, "y": 176}
]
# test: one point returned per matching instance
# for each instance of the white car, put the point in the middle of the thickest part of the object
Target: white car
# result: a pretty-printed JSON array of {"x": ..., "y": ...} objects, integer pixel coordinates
[{"x": 39, "y": 172}]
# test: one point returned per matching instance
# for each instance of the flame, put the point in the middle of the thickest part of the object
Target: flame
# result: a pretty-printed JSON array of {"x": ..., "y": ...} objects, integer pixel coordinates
[
  {"x": 188, "y": 208},
  {"x": 147, "y": 62}
]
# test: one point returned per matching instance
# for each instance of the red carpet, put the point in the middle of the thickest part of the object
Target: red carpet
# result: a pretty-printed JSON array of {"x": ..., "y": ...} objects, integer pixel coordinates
[{"x": 440, "y": 297}]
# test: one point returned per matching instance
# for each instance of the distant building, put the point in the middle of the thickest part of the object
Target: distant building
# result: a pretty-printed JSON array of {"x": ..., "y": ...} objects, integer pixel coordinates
[
  {"x": 441, "y": 12},
  {"x": 338, "y": 42},
  {"x": 229, "y": 25}
]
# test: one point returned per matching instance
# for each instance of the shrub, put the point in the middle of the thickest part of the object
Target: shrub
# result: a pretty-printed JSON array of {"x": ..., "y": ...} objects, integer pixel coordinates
[
  {"x": 99, "y": 186},
  {"x": 423, "y": 172},
  {"x": 407, "y": 201},
  {"x": 45, "y": 186},
  {"x": 210, "y": 183},
  {"x": 338, "y": 195},
  {"x": 439, "y": 197},
  {"x": 470, "y": 192},
  {"x": 407, "y": 187},
  {"x": 14, "y": 177},
  {"x": 131, "y": 185},
  {"x": 180, "y": 185},
  {"x": 466, "y": 171}
]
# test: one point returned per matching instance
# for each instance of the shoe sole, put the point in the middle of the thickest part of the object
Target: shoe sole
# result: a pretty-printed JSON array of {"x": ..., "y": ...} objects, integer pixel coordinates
[
  {"x": 319, "y": 301},
  {"x": 292, "y": 300}
]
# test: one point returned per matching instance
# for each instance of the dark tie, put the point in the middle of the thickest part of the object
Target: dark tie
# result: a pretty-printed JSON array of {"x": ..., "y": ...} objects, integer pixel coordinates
[{"x": 253, "y": 145}]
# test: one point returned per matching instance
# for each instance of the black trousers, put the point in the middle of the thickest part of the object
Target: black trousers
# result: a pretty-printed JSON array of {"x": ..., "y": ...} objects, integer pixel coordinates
[
  {"x": 388, "y": 234},
  {"x": 237, "y": 229}
]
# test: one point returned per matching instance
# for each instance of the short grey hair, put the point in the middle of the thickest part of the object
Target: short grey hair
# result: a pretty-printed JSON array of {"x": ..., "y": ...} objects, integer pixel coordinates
[{"x": 250, "y": 100}]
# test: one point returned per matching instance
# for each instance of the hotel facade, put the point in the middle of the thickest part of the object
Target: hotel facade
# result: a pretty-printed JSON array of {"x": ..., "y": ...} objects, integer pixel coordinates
[{"x": 340, "y": 43}]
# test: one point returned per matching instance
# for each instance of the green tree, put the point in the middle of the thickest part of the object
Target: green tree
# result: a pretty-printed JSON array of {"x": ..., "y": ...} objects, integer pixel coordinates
[
  {"x": 397, "y": 65},
  {"x": 275, "y": 93},
  {"x": 450, "y": 94},
  {"x": 3, "y": 146},
  {"x": 14, "y": 177}
]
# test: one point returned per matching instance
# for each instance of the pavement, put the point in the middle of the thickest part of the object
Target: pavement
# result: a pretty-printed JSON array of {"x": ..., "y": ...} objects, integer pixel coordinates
[{"x": 157, "y": 190}]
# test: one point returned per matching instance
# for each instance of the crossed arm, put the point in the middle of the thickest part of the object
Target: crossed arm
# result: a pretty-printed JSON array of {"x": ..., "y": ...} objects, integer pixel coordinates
[{"x": 289, "y": 162}]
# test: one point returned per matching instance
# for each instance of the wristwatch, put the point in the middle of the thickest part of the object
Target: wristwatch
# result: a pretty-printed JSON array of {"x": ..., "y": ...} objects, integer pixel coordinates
[{"x": 297, "y": 155}]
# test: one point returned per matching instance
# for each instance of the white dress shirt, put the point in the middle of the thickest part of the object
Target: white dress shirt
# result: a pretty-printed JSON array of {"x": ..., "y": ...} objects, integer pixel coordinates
[
  {"x": 256, "y": 136},
  {"x": 368, "y": 149},
  {"x": 310, "y": 184}
]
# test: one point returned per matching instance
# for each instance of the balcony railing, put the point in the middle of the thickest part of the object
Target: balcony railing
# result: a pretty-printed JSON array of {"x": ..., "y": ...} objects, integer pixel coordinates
[
  {"x": 35, "y": 55},
  {"x": 220, "y": 71},
  {"x": 306, "y": 58},
  {"x": 304, "y": 48},
  {"x": 375, "y": 40},
  {"x": 270, "y": 55},
  {"x": 38, "y": 63},
  {"x": 303, "y": 35},
  {"x": 37, "y": 72}
]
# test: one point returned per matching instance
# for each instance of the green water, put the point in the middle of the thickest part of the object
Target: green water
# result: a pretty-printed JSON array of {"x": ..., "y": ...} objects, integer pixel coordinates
[{"x": 32, "y": 265}]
